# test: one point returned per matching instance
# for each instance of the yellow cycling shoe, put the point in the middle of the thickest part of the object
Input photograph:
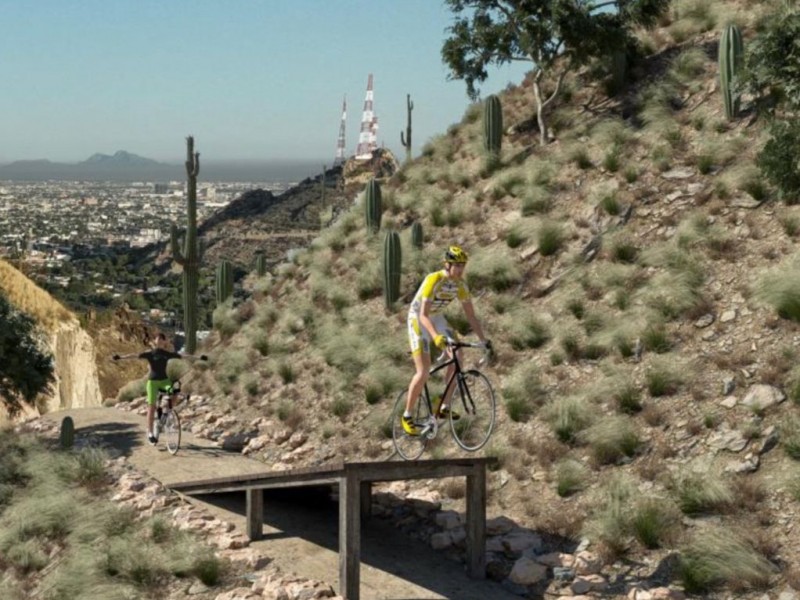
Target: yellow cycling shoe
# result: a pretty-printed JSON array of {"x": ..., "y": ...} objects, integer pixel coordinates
[{"x": 409, "y": 426}]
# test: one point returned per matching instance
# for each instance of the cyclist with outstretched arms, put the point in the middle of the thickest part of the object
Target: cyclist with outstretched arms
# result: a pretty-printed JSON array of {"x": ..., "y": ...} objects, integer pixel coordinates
[
  {"x": 157, "y": 378},
  {"x": 426, "y": 325}
]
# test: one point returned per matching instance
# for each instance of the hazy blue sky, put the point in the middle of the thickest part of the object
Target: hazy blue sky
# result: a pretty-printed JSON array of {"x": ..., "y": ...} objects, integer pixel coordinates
[{"x": 250, "y": 79}]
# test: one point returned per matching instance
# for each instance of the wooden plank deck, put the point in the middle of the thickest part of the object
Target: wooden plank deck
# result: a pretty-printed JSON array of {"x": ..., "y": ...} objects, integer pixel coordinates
[{"x": 355, "y": 481}]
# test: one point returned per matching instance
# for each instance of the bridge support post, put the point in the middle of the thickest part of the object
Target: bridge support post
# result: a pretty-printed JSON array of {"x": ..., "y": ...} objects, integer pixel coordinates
[
  {"x": 366, "y": 500},
  {"x": 255, "y": 513},
  {"x": 476, "y": 522},
  {"x": 350, "y": 491}
]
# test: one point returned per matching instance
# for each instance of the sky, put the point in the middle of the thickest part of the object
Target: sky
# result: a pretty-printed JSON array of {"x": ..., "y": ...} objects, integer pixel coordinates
[{"x": 252, "y": 80}]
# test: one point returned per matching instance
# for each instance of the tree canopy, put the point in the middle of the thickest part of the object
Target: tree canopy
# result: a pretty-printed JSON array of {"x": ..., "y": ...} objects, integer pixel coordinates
[
  {"x": 556, "y": 36},
  {"x": 772, "y": 76},
  {"x": 26, "y": 368}
]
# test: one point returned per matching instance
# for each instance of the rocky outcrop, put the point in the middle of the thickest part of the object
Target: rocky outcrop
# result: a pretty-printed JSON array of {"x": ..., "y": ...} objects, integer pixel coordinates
[{"x": 76, "y": 381}]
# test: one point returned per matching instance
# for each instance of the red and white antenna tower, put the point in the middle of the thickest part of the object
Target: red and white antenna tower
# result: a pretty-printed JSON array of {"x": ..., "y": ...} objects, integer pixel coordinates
[
  {"x": 368, "y": 138},
  {"x": 340, "y": 142}
]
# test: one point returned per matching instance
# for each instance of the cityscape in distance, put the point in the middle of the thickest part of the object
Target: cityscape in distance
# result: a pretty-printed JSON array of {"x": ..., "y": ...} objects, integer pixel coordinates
[{"x": 75, "y": 228}]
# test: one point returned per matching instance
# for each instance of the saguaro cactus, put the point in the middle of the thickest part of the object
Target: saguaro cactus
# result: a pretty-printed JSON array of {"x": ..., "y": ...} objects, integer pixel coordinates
[
  {"x": 731, "y": 56},
  {"x": 67, "y": 435},
  {"x": 373, "y": 206},
  {"x": 492, "y": 125},
  {"x": 392, "y": 264},
  {"x": 416, "y": 235},
  {"x": 189, "y": 258},
  {"x": 261, "y": 264},
  {"x": 224, "y": 281},
  {"x": 406, "y": 141}
]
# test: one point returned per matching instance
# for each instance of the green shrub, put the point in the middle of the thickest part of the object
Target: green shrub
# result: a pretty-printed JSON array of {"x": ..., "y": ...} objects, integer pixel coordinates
[
  {"x": 706, "y": 493},
  {"x": 576, "y": 307},
  {"x": 208, "y": 568},
  {"x": 610, "y": 204},
  {"x": 631, "y": 174},
  {"x": 781, "y": 290},
  {"x": 523, "y": 392},
  {"x": 286, "y": 372},
  {"x": 610, "y": 523},
  {"x": 662, "y": 379},
  {"x": 550, "y": 238},
  {"x": 790, "y": 436},
  {"x": 628, "y": 399},
  {"x": 655, "y": 522},
  {"x": 494, "y": 270},
  {"x": 717, "y": 557},
  {"x": 528, "y": 332},
  {"x": 568, "y": 416},
  {"x": 656, "y": 339},
  {"x": 611, "y": 439},
  {"x": 132, "y": 389},
  {"x": 225, "y": 319},
  {"x": 571, "y": 476},
  {"x": 778, "y": 160}
]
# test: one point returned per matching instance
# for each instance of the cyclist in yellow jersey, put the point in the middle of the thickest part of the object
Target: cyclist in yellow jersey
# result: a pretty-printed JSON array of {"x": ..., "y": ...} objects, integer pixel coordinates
[{"x": 438, "y": 289}]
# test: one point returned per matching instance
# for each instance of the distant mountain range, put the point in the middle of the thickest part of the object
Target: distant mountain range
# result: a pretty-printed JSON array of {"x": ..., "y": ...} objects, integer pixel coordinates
[{"x": 126, "y": 166}]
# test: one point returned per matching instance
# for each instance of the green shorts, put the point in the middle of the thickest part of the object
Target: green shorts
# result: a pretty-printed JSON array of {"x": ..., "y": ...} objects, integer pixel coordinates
[{"x": 154, "y": 386}]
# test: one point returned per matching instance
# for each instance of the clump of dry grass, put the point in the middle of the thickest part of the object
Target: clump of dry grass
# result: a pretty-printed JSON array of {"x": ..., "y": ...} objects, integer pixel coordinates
[
  {"x": 31, "y": 299},
  {"x": 717, "y": 556}
]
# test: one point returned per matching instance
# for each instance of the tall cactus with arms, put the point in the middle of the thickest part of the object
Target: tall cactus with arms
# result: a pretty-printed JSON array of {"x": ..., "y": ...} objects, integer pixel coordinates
[
  {"x": 392, "y": 265},
  {"x": 731, "y": 57},
  {"x": 406, "y": 141},
  {"x": 189, "y": 258},
  {"x": 224, "y": 281},
  {"x": 373, "y": 206}
]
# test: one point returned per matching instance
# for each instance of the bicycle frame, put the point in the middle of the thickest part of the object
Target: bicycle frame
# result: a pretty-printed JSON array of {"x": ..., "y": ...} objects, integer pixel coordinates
[{"x": 457, "y": 376}]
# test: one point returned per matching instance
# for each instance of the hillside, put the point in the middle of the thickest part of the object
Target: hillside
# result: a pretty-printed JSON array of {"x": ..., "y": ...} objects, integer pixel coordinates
[{"x": 629, "y": 274}]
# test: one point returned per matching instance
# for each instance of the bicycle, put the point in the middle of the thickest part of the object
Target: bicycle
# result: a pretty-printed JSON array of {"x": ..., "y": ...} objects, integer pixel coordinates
[
  {"x": 471, "y": 431},
  {"x": 167, "y": 419}
]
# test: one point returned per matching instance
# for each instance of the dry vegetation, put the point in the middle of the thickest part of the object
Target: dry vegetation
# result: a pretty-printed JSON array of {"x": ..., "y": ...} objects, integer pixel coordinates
[
  {"x": 31, "y": 299},
  {"x": 605, "y": 381}
]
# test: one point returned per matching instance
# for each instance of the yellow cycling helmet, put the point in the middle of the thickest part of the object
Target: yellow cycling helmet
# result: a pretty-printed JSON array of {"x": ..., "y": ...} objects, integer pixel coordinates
[{"x": 454, "y": 254}]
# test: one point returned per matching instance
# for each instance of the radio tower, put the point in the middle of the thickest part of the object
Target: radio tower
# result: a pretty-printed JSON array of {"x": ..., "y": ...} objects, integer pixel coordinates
[
  {"x": 340, "y": 142},
  {"x": 368, "y": 138}
]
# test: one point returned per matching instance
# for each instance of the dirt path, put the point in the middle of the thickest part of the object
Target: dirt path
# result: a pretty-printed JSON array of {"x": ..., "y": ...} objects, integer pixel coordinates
[{"x": 300, "y": 526}]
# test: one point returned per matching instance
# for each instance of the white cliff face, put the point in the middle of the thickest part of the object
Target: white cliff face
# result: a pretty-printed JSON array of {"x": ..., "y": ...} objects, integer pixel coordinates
[
  {"x": 76, "y": 380},
  {"x": 76, "y": 383}
]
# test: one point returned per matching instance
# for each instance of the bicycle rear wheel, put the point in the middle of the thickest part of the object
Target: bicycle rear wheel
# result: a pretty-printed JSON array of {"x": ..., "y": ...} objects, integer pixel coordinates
[
  {"x": 472, "y": 430},
  {"x": 410, "y": 447},
  {"x": 172, "y": 431}
]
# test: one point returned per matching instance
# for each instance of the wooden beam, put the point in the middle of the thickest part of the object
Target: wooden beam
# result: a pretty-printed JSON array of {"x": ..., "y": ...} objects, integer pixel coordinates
[
  {"x": 349, "y": 535},
  {"x": 366, "y": 500},
  {"x": 476, "y": 522},
  {"x": 255, "y": 513}
]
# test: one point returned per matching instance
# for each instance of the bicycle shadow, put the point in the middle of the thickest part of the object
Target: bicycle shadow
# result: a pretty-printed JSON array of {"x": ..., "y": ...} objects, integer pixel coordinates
[
  {"x": 392, "y": 557},
  {"x": 124, "y": 437}
]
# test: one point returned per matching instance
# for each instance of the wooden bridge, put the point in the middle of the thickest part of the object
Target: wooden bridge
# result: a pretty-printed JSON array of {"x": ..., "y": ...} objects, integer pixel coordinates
[{"x": 354, "y": 480}]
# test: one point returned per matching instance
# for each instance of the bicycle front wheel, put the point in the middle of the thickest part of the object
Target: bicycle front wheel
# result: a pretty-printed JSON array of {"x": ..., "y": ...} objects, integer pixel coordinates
[
  {"x": 472, "y": 430},
  {"x": 172, "y": 431},
  {"x": 410, "y": 447}
]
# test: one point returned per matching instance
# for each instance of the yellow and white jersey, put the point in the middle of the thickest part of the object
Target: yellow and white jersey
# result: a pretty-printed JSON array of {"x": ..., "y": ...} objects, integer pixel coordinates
[{"x": 440, "y": 291}]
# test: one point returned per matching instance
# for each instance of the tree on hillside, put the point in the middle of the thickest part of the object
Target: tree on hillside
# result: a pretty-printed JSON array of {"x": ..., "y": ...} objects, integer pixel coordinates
[
  {"x": 26, "y": 369},
  {"x": 557, "y": 36},
  {"x": 772, "y": 76}
]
